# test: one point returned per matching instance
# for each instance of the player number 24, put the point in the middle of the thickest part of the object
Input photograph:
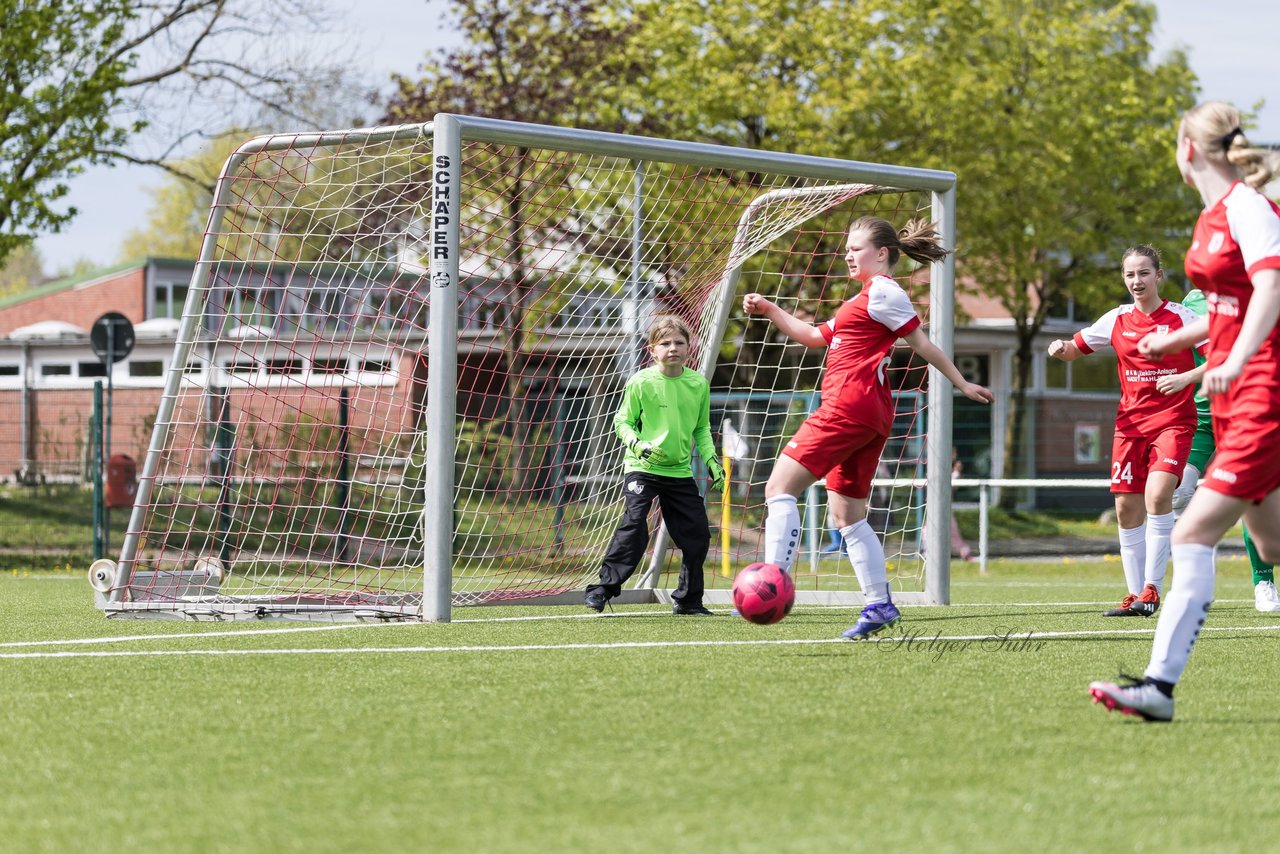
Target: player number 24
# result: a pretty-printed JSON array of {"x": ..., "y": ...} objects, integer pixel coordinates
[{"x": 1118, "y": 474}]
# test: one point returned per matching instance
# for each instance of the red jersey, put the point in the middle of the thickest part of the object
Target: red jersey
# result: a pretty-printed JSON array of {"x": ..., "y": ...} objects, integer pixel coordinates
[
  {"x": 860, "y": 337},
  {"x": 1144, "y": 411},
  {"x": 1234, "y": 239}
]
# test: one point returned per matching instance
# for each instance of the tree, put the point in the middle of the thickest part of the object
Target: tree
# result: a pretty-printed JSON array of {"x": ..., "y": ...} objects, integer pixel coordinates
[
  {"x": 180, "y": 206},
  {"x": 81, "y": 81},
  {"x": 1057, "y": 123},
  {"x": 64, "y": 72},
  {"x": 23, "y": 269},
  {"x": 1060, "y": 129},
  {"x": 546, "y": 61}
]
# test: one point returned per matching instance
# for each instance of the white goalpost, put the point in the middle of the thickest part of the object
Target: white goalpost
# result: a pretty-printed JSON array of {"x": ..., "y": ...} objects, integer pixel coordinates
[{"x": 394, "y": 382}]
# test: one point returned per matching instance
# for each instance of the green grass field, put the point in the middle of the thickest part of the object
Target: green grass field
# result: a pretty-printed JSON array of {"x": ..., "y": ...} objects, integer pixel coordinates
[{"x": 522, "y": 729}]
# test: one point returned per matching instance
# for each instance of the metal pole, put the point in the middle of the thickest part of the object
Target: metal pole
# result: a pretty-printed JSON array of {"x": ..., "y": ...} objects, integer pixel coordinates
[
  {"x": 559, "y": 493},
  {"x": 344, "y": 472},
  {"x": 106, "y": 440},
  {"x": 632, "y": 314},
  {"x": 984, "y": 521},
  {"x": 937, "y": 551},
  {"x": 192, "y": 315},
  {"x": 811, "y": 514},
  {"x": 28, "y": 455},
  {"x": 224, "y": 443},
  {"x": 99, "y": 502},
  {"x": 442, "y": 372}
]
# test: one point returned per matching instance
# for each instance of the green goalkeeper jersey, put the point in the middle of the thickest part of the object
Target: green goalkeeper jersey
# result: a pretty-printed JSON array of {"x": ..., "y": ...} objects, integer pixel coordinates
[
  {"x": 671, "y": 413},
  {"x": 1195, "y": 301}
]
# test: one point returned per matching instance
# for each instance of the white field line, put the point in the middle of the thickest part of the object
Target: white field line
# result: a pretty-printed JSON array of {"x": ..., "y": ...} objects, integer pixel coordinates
[
  {"x": 521, "y": 619},
  {"x": 920, "y": 640},
  {"x": 202, "y": 635}
]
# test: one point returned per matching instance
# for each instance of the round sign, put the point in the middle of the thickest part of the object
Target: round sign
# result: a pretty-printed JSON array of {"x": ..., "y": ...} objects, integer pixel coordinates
[{"x": 111, "y": 337}]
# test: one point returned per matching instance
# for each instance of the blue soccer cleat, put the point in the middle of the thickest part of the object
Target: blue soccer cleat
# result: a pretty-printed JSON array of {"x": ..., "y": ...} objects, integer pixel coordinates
[{"x": 873, "y": 619}]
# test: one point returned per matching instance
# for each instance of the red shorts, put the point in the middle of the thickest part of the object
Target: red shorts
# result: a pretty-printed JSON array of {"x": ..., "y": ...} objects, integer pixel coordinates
[
  {"x": 1247, "y": 463},
  {"x": 845, "y": 452},
  {"x": 1133, "y": 458}
]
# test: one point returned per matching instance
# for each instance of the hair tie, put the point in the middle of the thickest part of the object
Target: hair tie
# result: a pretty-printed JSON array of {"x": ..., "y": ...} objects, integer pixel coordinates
[{"x": 1231, "y": 137}]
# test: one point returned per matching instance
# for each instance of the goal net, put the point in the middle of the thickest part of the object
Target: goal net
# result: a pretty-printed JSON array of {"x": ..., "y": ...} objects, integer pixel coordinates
[{"x": 402, "y": 350}]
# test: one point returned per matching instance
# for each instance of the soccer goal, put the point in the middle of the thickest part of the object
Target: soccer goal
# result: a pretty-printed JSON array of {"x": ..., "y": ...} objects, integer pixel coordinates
[{"x": 402, "y": 348}]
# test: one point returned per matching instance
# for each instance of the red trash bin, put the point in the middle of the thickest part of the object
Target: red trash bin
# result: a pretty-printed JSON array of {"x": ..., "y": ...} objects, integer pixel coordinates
[{"x": 122, "y": 480}]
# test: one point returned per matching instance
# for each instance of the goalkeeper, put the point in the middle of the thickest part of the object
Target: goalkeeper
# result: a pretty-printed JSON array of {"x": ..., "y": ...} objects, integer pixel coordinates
[{"x": 666, "y": 409}]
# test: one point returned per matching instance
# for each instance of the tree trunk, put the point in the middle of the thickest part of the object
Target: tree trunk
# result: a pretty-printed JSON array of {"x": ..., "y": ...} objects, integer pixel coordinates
[
  {"x": 1015, "y": 426},
  {"x": 514, "y": 357}
]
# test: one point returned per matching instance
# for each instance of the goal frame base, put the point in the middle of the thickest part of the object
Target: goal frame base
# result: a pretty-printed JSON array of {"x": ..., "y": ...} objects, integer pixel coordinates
[{"x": 260, "y": 609}]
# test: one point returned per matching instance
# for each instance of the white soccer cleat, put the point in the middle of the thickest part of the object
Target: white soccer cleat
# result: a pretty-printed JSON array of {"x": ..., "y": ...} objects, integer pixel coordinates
[
  {"x": 1265, "y": 597},
  {"x": 1138, "y": 698}
]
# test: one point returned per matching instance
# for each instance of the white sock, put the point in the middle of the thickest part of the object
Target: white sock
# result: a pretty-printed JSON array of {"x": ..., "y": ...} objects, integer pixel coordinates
[
  {"x": 1190, "y": 477},
  {"x": 781, "y": 531},
  {"x": 1133, "y": 556},
  {"x": 1183, "y": 611},
  {"x": 867, "y": 555},
  {"x": 1158, "y": 530}
]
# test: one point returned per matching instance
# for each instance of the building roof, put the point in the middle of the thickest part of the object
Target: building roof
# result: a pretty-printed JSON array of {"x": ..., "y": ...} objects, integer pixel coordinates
[
  {"x": 157, "y": 327},
  {"x": 85, "y": 279},
  {"x": 49, "y": 330}
]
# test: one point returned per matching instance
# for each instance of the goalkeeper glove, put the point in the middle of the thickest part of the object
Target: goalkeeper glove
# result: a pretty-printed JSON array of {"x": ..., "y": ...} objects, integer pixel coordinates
[
  {"x": 650, "y": 453},
  {"x": 716, "y": 472}
]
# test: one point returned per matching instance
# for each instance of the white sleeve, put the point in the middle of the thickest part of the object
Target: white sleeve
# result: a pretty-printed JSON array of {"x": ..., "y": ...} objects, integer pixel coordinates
[
  {"x": 1255, "y": 227},
  {"x": 1188, "y": 317},
  {"x": 889, "y": 305},
  {"x": 1098, "y": 335}
]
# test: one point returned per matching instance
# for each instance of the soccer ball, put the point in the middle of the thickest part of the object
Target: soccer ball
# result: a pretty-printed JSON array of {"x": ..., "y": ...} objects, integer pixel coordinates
[{"x": 763, "y": 593}]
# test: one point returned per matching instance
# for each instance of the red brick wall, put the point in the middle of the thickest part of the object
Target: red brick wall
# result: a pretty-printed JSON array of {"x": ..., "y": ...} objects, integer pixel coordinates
[
  {"x": 1055, "y": 435},
  {"x": 125, "y": 292}
]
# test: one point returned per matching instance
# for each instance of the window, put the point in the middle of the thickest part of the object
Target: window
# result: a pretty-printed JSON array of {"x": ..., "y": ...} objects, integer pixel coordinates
[
  {"x": 284, "y": 366},
  {"x": 168, "y": 299},
  {"x": 1055, "y": 373},
  {"x": 373, "y": 366},
  {"x": 1096, "y": 373},
  {"x": 9, "y": 370},
  {"x": 55, "y": 370},
  {"x": 147, "y": 368},
  {"x": 92, "y": 369},
  {"x": 974, "y": 367},
  {"x": 329, "y": 366}
]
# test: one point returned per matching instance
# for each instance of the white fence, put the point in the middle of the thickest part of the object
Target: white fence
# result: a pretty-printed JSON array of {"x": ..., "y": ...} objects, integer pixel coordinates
[{"x": 985, "y": 485}]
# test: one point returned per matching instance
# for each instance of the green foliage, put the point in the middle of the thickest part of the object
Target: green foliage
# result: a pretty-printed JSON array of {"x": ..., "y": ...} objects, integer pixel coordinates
[
  {"x": 62, "y": 76},
  {"x": 1054, "y": 116},
  {"x": 1008, "y": 524},
  {"x": 180, "y": 205},
  {"x": 1056, "y": 120},
  {"x": 22, "y": 269},
  {"x": 550, "y": 61},
  {"x": 484, "y": 449}
]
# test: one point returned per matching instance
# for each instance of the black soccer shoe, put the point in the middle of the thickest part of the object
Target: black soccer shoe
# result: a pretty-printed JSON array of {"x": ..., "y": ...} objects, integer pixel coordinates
[
  {"x": 690, "y": 610},
  {"x": 1125, "y": 609}
]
